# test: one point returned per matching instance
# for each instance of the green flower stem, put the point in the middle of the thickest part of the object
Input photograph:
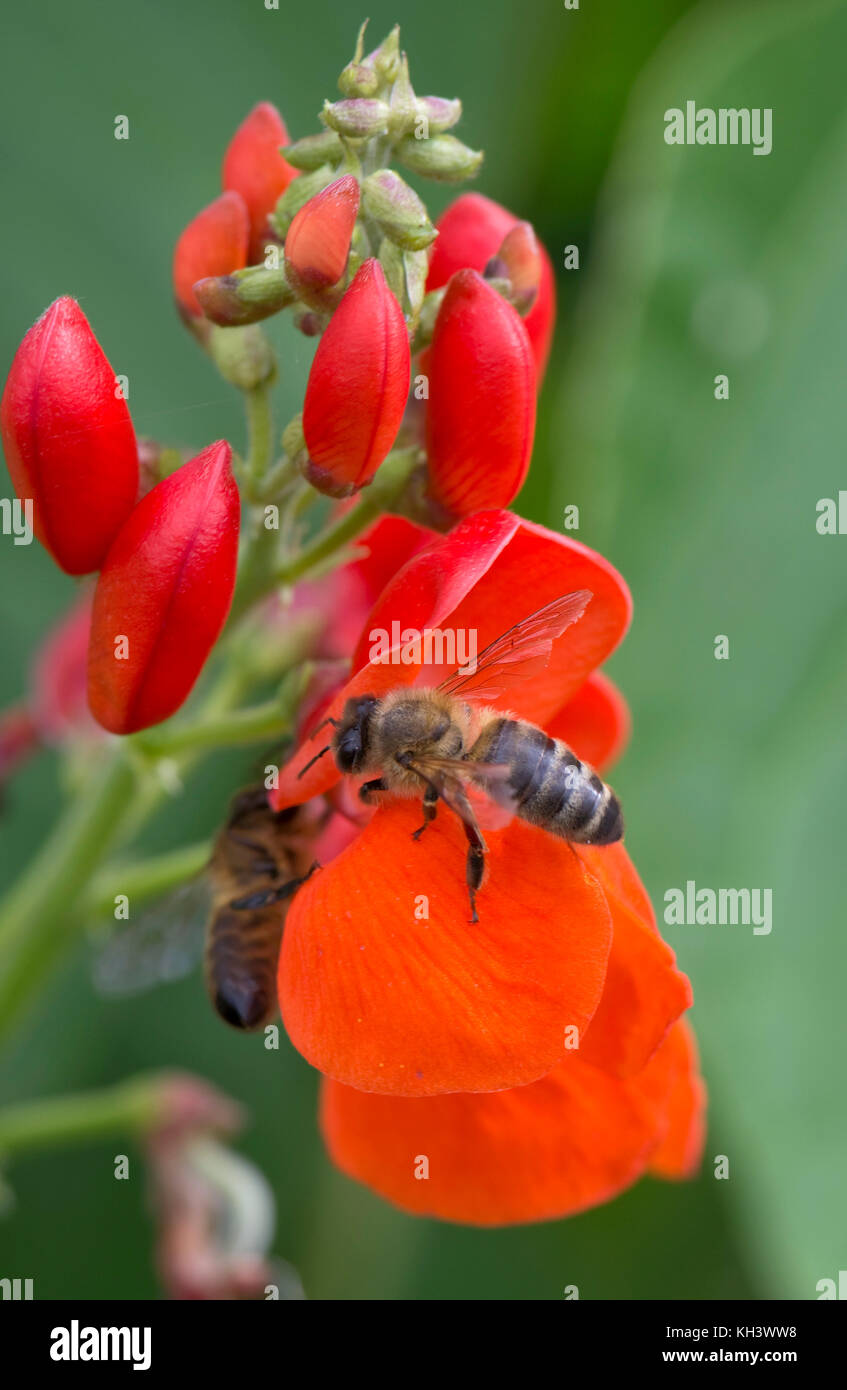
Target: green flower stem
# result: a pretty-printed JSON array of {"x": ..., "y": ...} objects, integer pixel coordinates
[
  {"x": 144, "y": 879},
  {"x": 259, "y": 433},
  {"x": 242, "y": 726},
  {"x": 132, "y": 1107},
  {"x": 36, "y": 918},
  {"x": 255, "y": 574},
  {"x": 383, "y": 492}
]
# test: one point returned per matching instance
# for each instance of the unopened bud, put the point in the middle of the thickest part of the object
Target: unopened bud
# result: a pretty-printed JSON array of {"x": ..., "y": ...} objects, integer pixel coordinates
[
  {"x": 403, "y": 113},
  {"x": 359, "y": 80},
  {"x": 246, "y": 296},
  {"x": 297, "y": 194},
  {"x": 405, "y": 272},
  {"x": 357, "y": 117},
  {"x": 443, "y": 157},
  {"x": 243, "y": 356},
  {"x": 390, "y": 201},
  {"x": 427, "y": 318},
  {"x": 435, "y": 114},
  {"x": 314, "y": 150},
  {"x": 293, "y": 438},
  {"x": 386, "y": 58}
]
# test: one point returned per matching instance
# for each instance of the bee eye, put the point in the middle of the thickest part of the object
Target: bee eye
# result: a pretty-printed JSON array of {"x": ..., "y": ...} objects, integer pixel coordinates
[{"x": 349, "y": 751}]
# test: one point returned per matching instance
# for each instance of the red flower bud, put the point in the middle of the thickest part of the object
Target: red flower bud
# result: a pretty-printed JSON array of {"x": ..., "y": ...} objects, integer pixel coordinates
[
  {"x": 68, "y": 437},
  {"x": 214, "y": 243},
  {"x": 358, "y": 386},
  {"x": 254, "y": 167},
  {"x": 480, "y": 420},
  {"x": 470, "y": 232},
  {"x": 318, "y": 241},
  {"x": 164, "y": 594}
]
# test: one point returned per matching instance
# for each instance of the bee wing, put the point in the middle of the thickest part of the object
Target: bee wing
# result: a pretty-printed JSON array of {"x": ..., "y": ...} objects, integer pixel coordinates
[
  {"x": 519, "y": 653},
  {"x": 163, "y": 943},
  {"x": 486, "y": 785}
]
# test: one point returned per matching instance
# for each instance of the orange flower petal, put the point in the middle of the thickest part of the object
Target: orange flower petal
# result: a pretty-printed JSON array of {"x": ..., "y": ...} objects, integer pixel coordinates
[
  {"x": 595, "y": 722},
  {"x": 570, "y": 1141},
  {"x": 254, "y": 168},
  {"x": 644, "y": 992},
  {"x": 385, "y": 1000},
  {"x": 681, "y": 1150},
  {"x": 214, "y": 243}
]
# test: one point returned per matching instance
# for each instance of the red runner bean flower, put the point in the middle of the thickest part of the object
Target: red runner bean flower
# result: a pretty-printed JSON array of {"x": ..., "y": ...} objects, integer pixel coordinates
[
  {"x": 470, "y": 233},
  {"x": 164, "y": 594},
  {"x": 215, "y": 242},
  {"x": 68, "y": 438},
  {"x": 254, "y": 168},
  {"x": 358, "y": 386}
]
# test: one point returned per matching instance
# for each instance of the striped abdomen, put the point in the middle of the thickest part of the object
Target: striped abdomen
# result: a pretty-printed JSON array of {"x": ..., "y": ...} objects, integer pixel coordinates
[
  {"x": 548, "y": 784},
  {"x": 242, "y": 950},
  {"x": 257, "y": 863}
]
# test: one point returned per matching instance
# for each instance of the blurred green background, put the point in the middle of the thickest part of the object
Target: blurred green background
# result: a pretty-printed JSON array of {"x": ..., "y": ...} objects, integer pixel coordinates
[{"x": 694, "y": 261}]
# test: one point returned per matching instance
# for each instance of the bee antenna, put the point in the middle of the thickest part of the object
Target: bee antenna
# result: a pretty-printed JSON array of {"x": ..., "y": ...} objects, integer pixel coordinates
[
  {"x": 329, "y": 720},
  {"x": 313, "y": 760}
]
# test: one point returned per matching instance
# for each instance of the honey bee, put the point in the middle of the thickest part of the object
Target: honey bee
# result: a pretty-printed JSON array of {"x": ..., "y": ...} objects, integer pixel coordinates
[
  {"x": 232, "y": 914},
  {"x": 440, "y": 743},
  {"x": 260, "y": 859}
]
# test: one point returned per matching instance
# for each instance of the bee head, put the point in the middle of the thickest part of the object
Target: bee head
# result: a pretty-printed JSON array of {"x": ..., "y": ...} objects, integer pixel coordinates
[{"x": 350, "y": 744}]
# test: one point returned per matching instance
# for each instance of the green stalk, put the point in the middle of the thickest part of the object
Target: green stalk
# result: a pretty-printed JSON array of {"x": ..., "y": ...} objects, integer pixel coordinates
[
  {"x": 259, "y": 433},
  {"x": 144, "y": 879},
  {"x": 36, "y": 918},
  {"x": 243, "y": 726},
  {"x": 129, "y": 1108},
  {"x": 373, "y": 501}
]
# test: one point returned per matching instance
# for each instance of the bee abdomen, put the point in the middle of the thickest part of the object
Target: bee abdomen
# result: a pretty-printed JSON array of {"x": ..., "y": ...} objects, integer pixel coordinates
[
  {"x": 241, "y": 957},
  {"x": 552, "y": 788}
]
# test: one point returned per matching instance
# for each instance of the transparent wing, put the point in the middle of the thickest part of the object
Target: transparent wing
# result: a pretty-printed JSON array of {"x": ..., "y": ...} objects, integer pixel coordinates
[
  {"x": 521, "y": 652},
  {"x": 486, "y": 785},
  {"x": 164, "y": 942}
]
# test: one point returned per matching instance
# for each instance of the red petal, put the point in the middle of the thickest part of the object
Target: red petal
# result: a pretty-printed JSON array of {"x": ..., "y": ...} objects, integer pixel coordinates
[
  {"x": 595, "y": 722},
  {"x": 318, "y": 241},
  {"x": 570, "y": 1141},
  {"x": 480, "y": 419},
  {"x": 470, "y": 233},
  {"x": 379, "y": 999},
  {"x": 68, "y": 438},
  {"x": 644, "y": 993},
  {"x": 354, "y": 589},
  {"x": 358, "y": 385},
  {"x": 166, "y": 587},
  {"x": 681, "y": 1150},
  {"x": 254, "y": 168},
  {"x": 213, "y": 243}
]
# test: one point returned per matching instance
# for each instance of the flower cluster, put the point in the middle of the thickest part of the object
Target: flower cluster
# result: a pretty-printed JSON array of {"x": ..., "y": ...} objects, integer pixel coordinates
[
  {"x": 533, "y": 1063},
  {"x": 166, "y": 562}
]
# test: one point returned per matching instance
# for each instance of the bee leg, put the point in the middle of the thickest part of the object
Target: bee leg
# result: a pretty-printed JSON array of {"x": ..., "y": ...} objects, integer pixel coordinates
[
  {"x": 475, "y": 864},
  {"x": 367, "y": 789},
  {"x": 475, "y": 867},
  {"x": 430, "y": 807}
]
